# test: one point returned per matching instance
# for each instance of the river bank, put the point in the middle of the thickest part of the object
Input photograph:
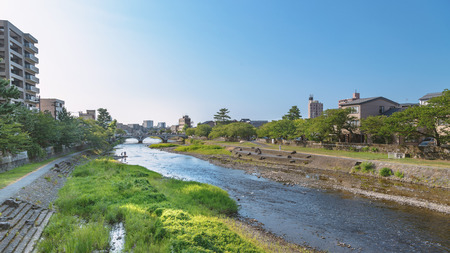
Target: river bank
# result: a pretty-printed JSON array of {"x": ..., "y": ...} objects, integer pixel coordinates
[{"x": 336, "y": 173}]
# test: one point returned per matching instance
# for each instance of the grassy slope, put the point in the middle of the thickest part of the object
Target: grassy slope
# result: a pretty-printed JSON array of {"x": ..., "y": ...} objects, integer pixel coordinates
[
  {"x": 8, "y": 177},
  {"x": 160, "y": 214},
  {"x": 163, "y": 145},
  {"x": 204, "y": 149},
  {"x": 342, "y": 153}
]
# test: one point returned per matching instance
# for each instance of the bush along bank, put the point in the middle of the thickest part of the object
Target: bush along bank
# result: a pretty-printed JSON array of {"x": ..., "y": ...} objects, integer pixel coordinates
[{"x": 159, "y": 214}]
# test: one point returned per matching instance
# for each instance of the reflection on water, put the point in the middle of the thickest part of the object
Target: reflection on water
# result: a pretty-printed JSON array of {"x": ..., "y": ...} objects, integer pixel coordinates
[{"x": 326, "y": 219}]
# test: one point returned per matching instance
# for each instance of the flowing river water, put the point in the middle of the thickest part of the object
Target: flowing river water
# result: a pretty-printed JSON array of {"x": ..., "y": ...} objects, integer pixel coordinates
[{"x": 322, "y": 218}]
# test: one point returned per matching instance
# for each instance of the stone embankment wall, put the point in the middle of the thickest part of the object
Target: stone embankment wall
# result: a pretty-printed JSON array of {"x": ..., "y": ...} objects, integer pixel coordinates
[
  {"x": 412, "y": 150},
  {"x": 9, "y": 161},
  {"x": 425, "y": 175}
]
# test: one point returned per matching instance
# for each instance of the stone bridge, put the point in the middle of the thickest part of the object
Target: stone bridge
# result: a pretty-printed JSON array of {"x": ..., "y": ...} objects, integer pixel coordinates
[{"x": 164, "y": 137}]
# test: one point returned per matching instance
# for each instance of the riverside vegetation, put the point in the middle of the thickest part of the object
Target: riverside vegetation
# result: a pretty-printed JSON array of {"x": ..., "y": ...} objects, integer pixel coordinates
[{"x": 160, "y": 214}]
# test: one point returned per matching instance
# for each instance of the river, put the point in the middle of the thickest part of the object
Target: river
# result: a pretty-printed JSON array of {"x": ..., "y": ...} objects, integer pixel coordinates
[{"x": 322, "y": 218}]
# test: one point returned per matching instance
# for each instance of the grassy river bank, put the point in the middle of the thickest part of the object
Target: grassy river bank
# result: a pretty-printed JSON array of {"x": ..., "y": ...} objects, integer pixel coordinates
[{"x": 159, "y": 214}]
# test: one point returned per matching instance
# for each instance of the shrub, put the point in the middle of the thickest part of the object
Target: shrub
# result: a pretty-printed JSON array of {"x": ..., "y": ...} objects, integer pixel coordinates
[
  {"x": 399, "y": 174},
  {"x": 367, "y": 167},
  {"x": 365, "y": 149},
  {"x": 36, "y": 152},
  {"x": 386, "y": 172},
  {"x": 374, "y": 149}
]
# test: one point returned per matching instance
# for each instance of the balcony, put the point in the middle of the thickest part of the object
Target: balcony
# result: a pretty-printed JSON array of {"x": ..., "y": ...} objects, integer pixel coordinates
[
  {"x": 31, "y": 78},
  {"x": 31, "y": 58},
  {"x": 31, "y": 99},
  {"x": 33, "y": 89},
  {"x": 32, "y": 68},
  {"x": 29, "y": 37},
  {"x": 31, "y": 48}
]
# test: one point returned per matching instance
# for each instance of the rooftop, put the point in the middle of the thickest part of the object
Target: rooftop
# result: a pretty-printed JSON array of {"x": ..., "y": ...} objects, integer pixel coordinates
[
  {"x": 365, "y": 100},
  {"x": 431, "y": 95}
]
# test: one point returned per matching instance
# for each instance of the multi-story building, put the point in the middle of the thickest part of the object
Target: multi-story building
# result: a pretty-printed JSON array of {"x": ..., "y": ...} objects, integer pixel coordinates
[
  {"x": 18, "y": 64},
  {"x": 147, "y": 124},
  {"x": 184, "y": 121},
  {"x": 90, "y": 114},
  {"x": 52, "y": 105},
  {"x": 161, "y": 125},
  {"x": 365, "y": 107},
  {"x": 315, "y": 108}
]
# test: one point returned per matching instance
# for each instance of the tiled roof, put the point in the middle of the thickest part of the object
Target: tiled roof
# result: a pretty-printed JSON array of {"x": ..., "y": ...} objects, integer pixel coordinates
[
  {"x": 431, "y": 95},
  {"x": 365, "y": 100},
  {"x": 392, "y": 111}
]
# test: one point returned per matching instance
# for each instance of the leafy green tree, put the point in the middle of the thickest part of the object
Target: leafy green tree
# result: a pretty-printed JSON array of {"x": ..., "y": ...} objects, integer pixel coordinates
[
  {"x": 431, "y": 120},
  {"x": 293, "y": 113},
  {"x": 240, "y": 130},
  {"x": 190, "y": 131},
  {"x": 222, "y": 116},
  {"x": 94, "y": 134},
  {"x": 218, "y": 131},
  {"x": 8, "y": 93},
  {"x": 203, "y": 130},
  {"x": 280, "y": 129},
  {"x": 378, "y": 128},
  {"x": 104, "y": 118},
  {"x": 71, "y": 133},
  {"x": 12, "y": 138},
  {"x": 46, "y": 130}
]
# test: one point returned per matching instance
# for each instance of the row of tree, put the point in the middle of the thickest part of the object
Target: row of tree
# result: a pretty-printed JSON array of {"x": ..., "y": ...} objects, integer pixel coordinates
[
  {"x": 430, "y": 120},
  {"x": 22, "y": 129}
]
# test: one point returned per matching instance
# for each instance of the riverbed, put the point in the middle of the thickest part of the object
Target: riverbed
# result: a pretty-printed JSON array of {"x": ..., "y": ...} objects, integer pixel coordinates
[{"x": 326, "y": 219}]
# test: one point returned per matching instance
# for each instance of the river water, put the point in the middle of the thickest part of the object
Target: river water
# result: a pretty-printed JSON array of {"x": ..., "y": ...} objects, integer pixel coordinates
[{"x": 322, "y": 218}]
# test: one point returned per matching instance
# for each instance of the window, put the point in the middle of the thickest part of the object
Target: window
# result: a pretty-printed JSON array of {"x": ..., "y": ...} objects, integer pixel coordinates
[{"x": 381, "y": 109}]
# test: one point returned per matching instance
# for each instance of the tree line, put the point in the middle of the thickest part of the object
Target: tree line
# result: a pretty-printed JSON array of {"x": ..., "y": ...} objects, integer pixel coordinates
[
  {"x": 430, "y": 120},
  {"x": 24, "y": 130}
]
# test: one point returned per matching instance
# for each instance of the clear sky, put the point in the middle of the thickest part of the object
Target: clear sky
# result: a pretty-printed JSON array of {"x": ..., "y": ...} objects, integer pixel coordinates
[{"x": 159, "y": 60}]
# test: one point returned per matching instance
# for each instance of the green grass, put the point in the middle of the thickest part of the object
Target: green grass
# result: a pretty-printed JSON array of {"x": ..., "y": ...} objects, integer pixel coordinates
[
  {"x": 204, "y": 149},
  {"x": 9, "y": 177},
  {"x": 159, "y": 214},
  {"x": 373, "y": 155},
  {"x": 163, "y": 145}
]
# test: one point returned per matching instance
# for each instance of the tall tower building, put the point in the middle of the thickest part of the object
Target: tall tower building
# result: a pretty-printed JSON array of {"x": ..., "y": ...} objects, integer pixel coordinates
[
  {"x": 18, "y": 51},
  {"x": 315, "y": 108}
]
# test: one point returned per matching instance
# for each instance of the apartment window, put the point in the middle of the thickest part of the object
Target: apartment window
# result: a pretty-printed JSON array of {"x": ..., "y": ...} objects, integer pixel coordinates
[
  {"x": 355, "y": 109},
  {"x": 381, "y": 109}
]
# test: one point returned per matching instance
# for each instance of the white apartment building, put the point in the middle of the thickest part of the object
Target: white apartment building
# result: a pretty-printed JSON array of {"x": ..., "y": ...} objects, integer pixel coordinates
[{"x": 18, "y": 64}]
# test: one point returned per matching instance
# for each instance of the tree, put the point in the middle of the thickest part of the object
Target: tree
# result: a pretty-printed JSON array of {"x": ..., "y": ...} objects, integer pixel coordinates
[
  {"x": 203, "y": 130},
  {"x": 293, "y": 113},
  {"x": 190, "y": 131},
  {"x": 222, "y": 116},
  {"x": 12, "y": 138},
  {"x": 235, "y": 130},
  {"x": 8, "y": 93},
  {"x": 378, "y": 128},
  {"x": 431, "y": 120},
  {"x": 104, "y": 118},
  {"x": 280, "y": 129}
]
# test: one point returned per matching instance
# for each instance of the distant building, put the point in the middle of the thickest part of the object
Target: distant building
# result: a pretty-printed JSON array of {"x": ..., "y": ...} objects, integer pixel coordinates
[
  {"x": 174, "y": 129},
  {"x": 315, "y": 108},
  {"x": 184, "y": 121},
  {"x": 209, "y": 122},
  {"x": 365, "y": 107},
  {"x": 52, "y": 105},
  {"x": 18, "y": 51},
  {"x": 258, "y": 123},
  {"x": 161, "y": 125},
  {"x": 90, "y": 114},
  {"x": 424, "y": 100},
  {"x": 147, "y": 124}
]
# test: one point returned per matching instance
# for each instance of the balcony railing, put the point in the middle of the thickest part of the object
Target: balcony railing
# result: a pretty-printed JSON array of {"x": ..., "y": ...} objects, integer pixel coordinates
[
  {"x": 29, "y": 37},
  {"x": 31, "y": 47},
  {"x": 32, "y": 78},
  {"x": 33, "y": 89},
  {"x": 32, "y": 68},
  {"x": 31, "y": 99},
  {"x": 32, "y": 58}
]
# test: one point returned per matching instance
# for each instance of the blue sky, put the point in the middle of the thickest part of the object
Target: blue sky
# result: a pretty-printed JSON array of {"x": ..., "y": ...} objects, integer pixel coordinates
[{"x": 161, "y": 59}]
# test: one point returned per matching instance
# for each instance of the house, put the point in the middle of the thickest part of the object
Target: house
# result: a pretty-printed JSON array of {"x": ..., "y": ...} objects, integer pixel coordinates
[
  {"x": 51, "y": 105},
  {"x": 424, "y": 100},
  {"x": 365, "y": 107}
]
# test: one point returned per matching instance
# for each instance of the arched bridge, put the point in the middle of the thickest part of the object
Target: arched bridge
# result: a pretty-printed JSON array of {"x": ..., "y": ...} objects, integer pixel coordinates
[{"x": 164, "y": 137}]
